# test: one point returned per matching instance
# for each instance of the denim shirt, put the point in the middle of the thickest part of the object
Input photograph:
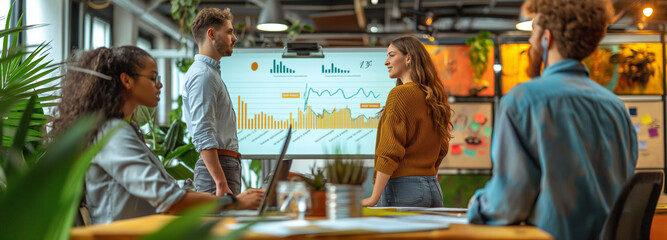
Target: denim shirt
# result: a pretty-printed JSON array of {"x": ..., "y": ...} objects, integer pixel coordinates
[
  {"x": 207, "y": 107},
  {"x": 563, "y": 148},
  {"x": 126, "y": 179}
]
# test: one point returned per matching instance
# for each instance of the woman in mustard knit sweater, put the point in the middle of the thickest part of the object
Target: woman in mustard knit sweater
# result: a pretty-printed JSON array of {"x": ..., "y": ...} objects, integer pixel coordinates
[{"x": 413, "y": 133}]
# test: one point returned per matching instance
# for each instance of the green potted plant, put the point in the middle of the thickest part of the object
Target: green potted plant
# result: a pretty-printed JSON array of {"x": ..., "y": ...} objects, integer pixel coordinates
[
  {"x": 247, "y": 178},
  {"x": 184, "y": 11},
  {"x": 296, "y": 29},
  {"x": 53, "y": 170},
  {"x": 317, "y": 191},
  {"x": 178, "y": 156},
  {"x": 480, "y": 48},
  {"x": 344, "y": 192}
]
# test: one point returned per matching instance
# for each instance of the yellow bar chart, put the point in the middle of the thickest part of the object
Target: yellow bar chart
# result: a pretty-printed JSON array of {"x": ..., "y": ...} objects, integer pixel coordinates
[{"x": 307, "y": 119}]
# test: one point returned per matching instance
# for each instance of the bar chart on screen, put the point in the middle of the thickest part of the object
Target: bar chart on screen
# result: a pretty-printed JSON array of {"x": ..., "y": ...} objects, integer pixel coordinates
[{"x": 331, "y": 102}]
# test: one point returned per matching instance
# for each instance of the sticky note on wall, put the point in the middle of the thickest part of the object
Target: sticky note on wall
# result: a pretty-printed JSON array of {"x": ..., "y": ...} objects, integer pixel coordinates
[
  {"x": 487, "y": 131},
  {"x": 647, "y": 119},
  {"x": 632, "y": 111},
  {"x": 638, "y": 128},
  {"x": 642, "y": 144},
  {"x": 474, "y": 126},
  {"x": 653, "y": 132},
  {"x": 470, "y": 152},
  {"x": 480, "y": 118},
  {"x": 456, "y": 149}
]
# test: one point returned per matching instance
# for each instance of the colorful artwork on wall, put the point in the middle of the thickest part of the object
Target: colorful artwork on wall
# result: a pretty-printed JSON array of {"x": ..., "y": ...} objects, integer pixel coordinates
[
  {"x": 631, "y": 68},
  {"x": 453, "y": 66},
  {"x": 634, "y": 68},
  {"x": 514, "y": 59}
]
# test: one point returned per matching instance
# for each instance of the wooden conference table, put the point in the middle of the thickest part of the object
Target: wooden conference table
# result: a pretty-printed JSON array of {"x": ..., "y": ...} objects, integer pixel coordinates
[
  {"x": 658, "y": 229},
  {"x": 137, "y": 227}
]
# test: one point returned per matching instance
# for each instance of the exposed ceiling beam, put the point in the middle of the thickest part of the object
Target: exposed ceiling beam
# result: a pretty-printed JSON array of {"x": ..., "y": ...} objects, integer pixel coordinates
[
  {"x": 340, "y": 7},
  {"x": 361, "y": 17},
  {"x": 154, "y": 5},
  {"x": 158, "y": 21}
]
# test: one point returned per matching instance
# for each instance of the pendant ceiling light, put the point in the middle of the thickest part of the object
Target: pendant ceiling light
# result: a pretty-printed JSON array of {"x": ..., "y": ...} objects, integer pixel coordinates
[{"x": 271, "y": 18}]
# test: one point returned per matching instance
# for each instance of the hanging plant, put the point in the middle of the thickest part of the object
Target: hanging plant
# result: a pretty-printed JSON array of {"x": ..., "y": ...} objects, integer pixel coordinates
[
  {"x": 480, "y": 47},
  {"x": 184, "y": 64},
  {"x": 184, "y": 11},
  {"x": 296, "y": 29}
]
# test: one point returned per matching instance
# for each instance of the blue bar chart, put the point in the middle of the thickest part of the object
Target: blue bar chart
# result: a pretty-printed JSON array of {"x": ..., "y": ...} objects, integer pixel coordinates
[
  {"x": 334, "y": 69},
  {"x": 280, "y": 68}
]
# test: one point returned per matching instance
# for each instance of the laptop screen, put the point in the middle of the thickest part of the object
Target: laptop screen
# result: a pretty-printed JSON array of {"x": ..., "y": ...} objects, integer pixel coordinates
[{"x": 279, "y": 174}]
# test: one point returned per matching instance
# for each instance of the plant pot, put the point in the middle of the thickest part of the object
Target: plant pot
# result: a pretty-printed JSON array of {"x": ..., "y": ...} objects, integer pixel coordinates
[
  {"x": 318, "y": 200},
  {"x": 343, "y": 201}
]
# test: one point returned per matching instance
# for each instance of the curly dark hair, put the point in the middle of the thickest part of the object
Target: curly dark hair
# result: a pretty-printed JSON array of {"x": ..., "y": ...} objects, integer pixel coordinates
[
  {"x": 84, "y": 93},
  {"x": 577, "y": 25},
  {"x": 423, "y": 73}
]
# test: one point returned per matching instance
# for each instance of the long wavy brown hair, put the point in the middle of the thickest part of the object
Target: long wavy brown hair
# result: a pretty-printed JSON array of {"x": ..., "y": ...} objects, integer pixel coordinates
[
  {"x": 422, "y": 72},
  {"x": 85, "y": 94}
]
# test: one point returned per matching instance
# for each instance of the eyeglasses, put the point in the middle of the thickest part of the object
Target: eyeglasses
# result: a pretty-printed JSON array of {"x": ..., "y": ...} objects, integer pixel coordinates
[{"x": 157, "y": 78}]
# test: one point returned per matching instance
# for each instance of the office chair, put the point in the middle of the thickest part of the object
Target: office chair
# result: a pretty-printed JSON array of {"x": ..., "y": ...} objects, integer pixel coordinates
[{"x": 632, "y": 214}]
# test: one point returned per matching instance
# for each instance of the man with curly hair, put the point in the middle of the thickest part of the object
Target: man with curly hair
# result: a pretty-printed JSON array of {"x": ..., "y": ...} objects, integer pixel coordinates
[{"x": 563, "y": 146}]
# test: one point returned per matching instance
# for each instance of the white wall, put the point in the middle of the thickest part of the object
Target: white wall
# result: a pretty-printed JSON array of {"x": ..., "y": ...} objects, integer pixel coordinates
[{"x": 52, "y": 13}]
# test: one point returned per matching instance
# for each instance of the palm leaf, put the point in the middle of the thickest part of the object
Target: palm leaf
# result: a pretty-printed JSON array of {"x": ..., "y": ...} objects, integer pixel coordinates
[
  {"x": 179, "y": 171},
  {"x": 22, "y": 130},
  {"x": 56, "y": 186}
]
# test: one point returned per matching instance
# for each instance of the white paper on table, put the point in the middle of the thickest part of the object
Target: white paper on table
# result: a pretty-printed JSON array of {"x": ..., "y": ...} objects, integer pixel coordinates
[
  {"x": 368, "y": 224},
  {"x": 434, "y": 219},
  {"x": 379, "y": 224},
  {"x": 438, "y": 209},
  {"x": 397, "y": 208}
]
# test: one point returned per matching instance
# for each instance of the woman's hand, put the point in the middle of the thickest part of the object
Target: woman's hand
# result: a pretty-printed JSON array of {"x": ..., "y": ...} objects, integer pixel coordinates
[
  {"x": 380, "y": 182},
  {"x": 369, "y": 202}
]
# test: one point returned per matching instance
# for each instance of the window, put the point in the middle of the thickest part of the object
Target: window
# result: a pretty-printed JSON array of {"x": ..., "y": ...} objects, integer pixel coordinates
[
  {"x": 89, "y": 28},
  {"x": 145, "y": 40},
  {"x": 177, "y": 79},
  {"x": 144, "y": 44},
  {"x": 4, "y": 9},
  {"x": 97, "y": 32}
]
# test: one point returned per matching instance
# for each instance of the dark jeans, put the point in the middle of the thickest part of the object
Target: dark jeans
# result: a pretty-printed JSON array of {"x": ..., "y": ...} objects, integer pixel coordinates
[
  {"x": 412, "y": 191},
  {"x": 230, "y": 166}
]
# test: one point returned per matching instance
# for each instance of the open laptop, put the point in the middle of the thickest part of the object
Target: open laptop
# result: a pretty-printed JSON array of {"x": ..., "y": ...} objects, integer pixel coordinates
[{"x": 269, "y": 201}]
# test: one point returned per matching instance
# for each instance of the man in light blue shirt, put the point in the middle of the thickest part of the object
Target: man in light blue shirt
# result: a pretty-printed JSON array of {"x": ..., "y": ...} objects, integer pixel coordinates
[
  {"x": 563, "y": 146},
  {"x": 207, "y": 106}
]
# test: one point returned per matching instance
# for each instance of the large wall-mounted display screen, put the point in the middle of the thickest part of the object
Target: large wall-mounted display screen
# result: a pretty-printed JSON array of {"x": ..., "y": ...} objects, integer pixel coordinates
[{"x": 332, "y": 103}]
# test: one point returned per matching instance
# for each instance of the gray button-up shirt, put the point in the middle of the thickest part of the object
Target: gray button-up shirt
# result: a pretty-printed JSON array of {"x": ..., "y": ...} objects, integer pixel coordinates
[
  {"x": 126, "y": 180},
  {"x": 207, "y": 107}
]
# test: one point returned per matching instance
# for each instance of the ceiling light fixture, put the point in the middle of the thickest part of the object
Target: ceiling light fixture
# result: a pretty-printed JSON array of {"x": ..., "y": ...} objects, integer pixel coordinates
[
  {"x": 647, "y": 11},
  {"x": 525, "y": 25},
  {"x": 271, "y": 18},
  {"x": 374, "y": 26}
]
